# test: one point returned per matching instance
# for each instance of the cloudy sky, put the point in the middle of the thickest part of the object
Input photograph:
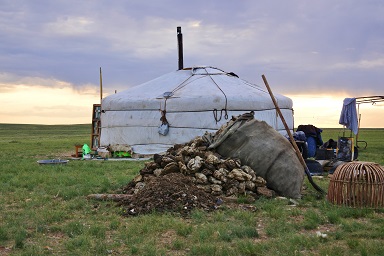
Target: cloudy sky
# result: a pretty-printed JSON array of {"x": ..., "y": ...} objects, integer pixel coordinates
[{"x": 316, "y": 52}]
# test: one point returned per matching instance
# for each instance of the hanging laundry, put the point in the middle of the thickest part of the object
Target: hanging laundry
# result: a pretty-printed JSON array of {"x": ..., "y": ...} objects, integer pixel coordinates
[{"x": 348, "y": 116}]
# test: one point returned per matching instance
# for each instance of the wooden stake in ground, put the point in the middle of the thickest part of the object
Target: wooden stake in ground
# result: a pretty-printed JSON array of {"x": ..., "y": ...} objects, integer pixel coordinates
[{"x": 293, "y": 142}]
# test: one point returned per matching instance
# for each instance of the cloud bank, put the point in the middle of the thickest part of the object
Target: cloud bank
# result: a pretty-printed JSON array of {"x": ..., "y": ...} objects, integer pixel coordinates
[{"x": 303, "y": 47}]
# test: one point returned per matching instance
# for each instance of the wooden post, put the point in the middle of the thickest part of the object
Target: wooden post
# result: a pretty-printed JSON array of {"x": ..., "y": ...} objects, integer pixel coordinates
[
  {"x": 301, "y": 159},
  {"x": 101, "y": 86}
]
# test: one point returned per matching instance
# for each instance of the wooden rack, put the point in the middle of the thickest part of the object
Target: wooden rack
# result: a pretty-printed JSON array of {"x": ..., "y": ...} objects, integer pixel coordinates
[
  {"x": 96, "y": 126},
  {"x": 366, "y": 99}
]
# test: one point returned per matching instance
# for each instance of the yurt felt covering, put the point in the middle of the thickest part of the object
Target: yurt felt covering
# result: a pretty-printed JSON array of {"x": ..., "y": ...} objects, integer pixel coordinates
[{"x": 192, "y": 101}]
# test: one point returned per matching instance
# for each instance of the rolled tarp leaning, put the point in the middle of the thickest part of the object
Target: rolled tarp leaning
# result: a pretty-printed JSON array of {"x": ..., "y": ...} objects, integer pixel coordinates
[{"x": 264, "y": 149}]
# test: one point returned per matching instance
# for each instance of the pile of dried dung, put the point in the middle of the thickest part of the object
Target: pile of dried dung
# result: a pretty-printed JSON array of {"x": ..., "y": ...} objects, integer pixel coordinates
[
  {"x": 173, "y": 192},
  {"x": 189, "y": 176}
]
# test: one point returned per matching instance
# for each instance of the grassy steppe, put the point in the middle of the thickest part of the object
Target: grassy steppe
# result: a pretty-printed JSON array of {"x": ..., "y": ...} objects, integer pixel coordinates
[{"x": 44, "y": 210}]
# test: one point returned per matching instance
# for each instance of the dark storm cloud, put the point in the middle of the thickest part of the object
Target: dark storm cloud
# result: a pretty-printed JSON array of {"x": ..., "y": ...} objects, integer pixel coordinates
[{"x": 301, "y": 46}]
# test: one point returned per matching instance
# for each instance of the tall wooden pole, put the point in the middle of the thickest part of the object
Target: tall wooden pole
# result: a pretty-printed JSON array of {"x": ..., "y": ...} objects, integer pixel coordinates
[
  {"x": 101, "y": 86},
  {"x": 298, "y": 153}
]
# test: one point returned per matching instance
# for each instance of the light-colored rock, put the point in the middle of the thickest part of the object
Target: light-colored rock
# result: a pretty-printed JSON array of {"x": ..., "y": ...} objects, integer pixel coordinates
[
  {"x": 214, "y": 181},
  {"x": 239, "y": 175},
  {"x": 201, "y": 178},
  {"x": 195, "y": 164},
  {"x": 158, "y": 172},
  {"x": 216, "y": 188},
  {"x": 221, "y": 174},
  {"x": 212, "y": 159},
  {"x": 170, "y": 168},
  {"x": 138, "y": 178}
]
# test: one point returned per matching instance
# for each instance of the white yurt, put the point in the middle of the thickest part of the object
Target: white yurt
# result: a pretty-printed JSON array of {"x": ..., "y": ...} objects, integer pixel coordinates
[{"x": 178, "y": 106}]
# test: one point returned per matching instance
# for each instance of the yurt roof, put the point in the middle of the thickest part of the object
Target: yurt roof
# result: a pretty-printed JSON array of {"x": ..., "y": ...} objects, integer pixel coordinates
[{"x": 198, "y": 89}]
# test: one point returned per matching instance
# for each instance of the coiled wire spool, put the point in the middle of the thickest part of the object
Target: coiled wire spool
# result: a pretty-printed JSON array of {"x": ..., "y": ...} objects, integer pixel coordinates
[{"x": 357, "y": 184}]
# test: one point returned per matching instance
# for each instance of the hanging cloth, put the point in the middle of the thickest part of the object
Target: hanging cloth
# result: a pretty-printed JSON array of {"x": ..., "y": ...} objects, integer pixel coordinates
[{"x": 348, "y": 116}]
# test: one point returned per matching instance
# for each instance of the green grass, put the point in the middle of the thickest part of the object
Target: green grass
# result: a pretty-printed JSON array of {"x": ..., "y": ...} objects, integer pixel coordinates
[{"x": 44, "y": 210}]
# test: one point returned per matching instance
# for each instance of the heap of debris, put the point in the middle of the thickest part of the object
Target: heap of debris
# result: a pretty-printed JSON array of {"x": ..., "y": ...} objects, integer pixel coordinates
[
  {"x": 190, "y": 176},
  {"x": 172, "y": 192}
]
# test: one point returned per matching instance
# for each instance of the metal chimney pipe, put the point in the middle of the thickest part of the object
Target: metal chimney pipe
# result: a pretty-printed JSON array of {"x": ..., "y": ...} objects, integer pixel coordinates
[{"x": 180, "y": 47}]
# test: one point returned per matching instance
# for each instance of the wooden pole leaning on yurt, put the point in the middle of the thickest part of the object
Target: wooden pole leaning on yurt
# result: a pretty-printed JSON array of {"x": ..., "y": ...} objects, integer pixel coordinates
[{"x": 293, "y": 142}]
